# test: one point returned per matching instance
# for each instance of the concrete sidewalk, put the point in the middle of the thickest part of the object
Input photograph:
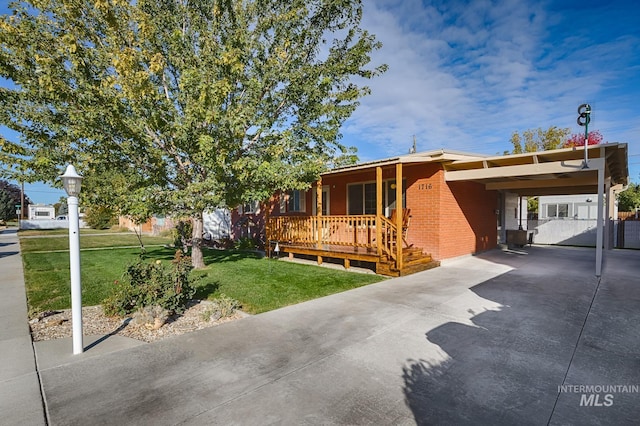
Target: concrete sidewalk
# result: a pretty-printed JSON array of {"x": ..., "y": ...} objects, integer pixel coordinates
[
  {"x": 20, "y": 398},
  {"x": 481, "y": 340}
]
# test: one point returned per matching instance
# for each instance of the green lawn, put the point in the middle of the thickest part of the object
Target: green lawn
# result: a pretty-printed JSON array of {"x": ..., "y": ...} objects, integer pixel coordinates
[
  {"x": 48, "y": 232},
  {"x": 61, "y": 242},
  {"x": 259, "y": 284}
]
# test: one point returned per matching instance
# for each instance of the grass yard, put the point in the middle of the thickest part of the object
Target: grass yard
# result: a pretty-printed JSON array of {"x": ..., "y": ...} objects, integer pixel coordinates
[
  {"x": 65, "y": 231},
  {"x": 259, "y": 284},
  {"x": 61, "y": 242}
]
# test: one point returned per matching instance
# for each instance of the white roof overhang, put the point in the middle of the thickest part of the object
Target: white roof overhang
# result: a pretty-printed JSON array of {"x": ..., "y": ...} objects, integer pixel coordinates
[{"x": 560, "y": 171}]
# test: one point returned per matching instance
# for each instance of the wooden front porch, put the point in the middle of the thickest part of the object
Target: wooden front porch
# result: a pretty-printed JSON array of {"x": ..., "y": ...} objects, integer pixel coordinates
[{"x": 366, "y": 238}]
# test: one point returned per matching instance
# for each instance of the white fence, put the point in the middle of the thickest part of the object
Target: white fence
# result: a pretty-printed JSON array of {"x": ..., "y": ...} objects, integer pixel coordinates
[
  {"x": 48, "y": 224},
  {"x": 582, "y": 232},
  {"x": 573, "y": 232}
]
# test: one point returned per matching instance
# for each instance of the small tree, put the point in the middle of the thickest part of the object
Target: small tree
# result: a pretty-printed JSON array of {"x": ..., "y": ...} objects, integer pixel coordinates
[
  {"x": 534, "y": 140},
  {"x": 100, "y": 217},
  {"x": 629, "y": 199},
  {"x": 577, "y": 139}
]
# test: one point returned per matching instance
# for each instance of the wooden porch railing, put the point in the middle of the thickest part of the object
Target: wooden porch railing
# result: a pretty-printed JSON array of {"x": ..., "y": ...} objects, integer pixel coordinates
[{"x": 353, "y": 230}]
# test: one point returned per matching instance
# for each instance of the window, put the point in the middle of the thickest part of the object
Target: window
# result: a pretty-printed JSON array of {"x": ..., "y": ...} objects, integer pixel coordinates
[
  {"x": 293, "y": 201},
  {"x": 362, "y": 198},
  {"x": 252, "y": 207},
  {"x": 558, "y": 210},
  {"x": 296, "y": 201}
]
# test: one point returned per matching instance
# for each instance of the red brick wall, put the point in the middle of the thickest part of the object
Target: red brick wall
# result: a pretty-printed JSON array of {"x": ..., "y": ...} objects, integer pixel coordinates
[
  {"x": 468, "y": 221},
  {"x": 423, "y": 195},
  {"x": 448, "y": 219}
]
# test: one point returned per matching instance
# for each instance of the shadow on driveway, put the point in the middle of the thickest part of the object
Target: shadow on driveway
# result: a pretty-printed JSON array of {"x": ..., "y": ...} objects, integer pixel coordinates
[{"x": 508, "y": 365}]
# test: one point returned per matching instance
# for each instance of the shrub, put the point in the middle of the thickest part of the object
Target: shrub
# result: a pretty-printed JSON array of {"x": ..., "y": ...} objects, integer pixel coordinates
[
  {"x": 245, "y": 243},
  {"x": 149, "y": 284},
  {"x": 182, "y": 234},
  {"x": 222, "y": 307},
  {"x": 99, "y": 217}
]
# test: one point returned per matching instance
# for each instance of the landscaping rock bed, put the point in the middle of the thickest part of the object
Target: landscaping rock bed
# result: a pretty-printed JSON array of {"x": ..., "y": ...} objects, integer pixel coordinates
[{"x": 57, "y": 324}]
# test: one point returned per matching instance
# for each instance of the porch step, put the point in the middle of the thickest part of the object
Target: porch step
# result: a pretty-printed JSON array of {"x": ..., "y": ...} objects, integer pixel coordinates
[{"x": 413, "y": 261}]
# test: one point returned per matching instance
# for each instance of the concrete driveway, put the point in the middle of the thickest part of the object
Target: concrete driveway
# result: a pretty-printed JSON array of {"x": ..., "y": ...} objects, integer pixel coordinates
[{"x": 481, "y": 340}]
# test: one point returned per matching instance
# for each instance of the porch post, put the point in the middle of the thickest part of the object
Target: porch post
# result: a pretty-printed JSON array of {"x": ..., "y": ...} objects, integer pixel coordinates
[
  {"x": 267, "y": 227},
  {"x": 399, "y": 215},
  {"x": 379, "y": 210},
  {"x": 319, "y": 211},
  {"x": 599, "y": 230}
]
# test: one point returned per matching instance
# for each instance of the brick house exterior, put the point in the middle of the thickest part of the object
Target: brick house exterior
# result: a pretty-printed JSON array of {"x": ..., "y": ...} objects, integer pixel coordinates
[{"x": 448, "y": 219}]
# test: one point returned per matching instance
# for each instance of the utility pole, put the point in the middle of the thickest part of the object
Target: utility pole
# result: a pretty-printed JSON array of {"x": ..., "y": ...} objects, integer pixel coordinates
[{"x": 21, "y": 199}]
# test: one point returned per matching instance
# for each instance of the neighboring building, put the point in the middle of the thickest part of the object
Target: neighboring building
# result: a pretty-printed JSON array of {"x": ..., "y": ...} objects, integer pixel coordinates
[
  {"x": 577, "y": 206},
  {"x": 572, "y": 220},
  {"x": 41, "y": 212},
  {"x": 154, "y": 225},
  {"x": 217, "y": 224}
]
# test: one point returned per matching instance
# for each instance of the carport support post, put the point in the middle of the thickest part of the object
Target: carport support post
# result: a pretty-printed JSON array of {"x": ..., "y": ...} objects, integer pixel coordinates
[
  {"x": 607, "y": 216},
  {"x": 599, "y": 227}
]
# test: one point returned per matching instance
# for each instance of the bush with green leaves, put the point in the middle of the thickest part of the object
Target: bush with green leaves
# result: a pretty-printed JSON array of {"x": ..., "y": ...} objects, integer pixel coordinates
[
  {"x": 148, "y": 284},
  {"x": 99, "y": 217},
  {"x": 182, "y": 234},
  {"x": 245, "y": 243}
]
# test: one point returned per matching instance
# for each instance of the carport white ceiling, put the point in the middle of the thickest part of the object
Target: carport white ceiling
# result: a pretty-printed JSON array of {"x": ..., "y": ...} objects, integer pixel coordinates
[{"x": 559, "y": 171}]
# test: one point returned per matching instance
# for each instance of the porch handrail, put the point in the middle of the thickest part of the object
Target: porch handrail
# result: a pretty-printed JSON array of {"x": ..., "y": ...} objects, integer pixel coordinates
[
  {"x": 389, "y": 237},
  {"x": 347, "y": 230}
]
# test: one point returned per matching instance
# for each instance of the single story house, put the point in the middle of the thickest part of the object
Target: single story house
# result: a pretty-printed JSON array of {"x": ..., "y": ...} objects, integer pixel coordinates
[{"x": 452, "y": 204}]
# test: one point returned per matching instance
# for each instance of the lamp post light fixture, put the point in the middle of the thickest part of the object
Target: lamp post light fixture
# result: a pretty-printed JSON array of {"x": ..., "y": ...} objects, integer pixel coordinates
[{"x": 72, "y": 182}]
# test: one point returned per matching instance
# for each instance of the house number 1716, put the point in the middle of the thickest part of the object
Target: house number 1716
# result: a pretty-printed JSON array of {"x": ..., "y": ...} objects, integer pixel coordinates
[{"x": 425, "y": 186}]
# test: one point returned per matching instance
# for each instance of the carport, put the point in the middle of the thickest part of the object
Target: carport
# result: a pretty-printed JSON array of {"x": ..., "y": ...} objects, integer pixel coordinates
[{"x": 598, "y": 169}]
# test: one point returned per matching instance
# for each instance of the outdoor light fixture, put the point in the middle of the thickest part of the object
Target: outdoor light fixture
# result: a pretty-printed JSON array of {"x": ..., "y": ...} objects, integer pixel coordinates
[
  {"x": 589, "y": 200},
  {"x": 72, "y": 182}
]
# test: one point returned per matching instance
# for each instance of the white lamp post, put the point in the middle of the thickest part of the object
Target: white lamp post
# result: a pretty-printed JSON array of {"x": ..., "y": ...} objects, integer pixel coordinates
[{"x": 72, "y": 182}]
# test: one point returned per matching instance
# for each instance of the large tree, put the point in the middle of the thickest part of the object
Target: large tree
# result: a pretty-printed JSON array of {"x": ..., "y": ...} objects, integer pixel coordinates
[
  {"x": 10, "y": 197},
  {"x": 182, "y": 105}
]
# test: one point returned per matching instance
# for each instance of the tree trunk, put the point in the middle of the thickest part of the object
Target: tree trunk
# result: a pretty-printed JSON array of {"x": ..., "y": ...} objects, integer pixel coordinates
[{"x": 197, "y": 261}]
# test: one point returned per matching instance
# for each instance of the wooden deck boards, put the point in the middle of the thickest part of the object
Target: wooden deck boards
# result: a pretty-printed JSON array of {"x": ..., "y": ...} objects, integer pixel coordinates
[
  {"x": 335, "y": 251},
  {"x": 414, "y": 259}
]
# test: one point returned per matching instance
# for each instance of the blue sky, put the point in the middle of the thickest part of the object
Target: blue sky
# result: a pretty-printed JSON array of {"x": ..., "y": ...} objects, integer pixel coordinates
[{"x": 464, "y": 75}]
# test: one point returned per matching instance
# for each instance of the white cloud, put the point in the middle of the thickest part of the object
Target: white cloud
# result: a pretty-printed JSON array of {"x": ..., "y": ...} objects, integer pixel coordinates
[{"x": 465, "y": 76}]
